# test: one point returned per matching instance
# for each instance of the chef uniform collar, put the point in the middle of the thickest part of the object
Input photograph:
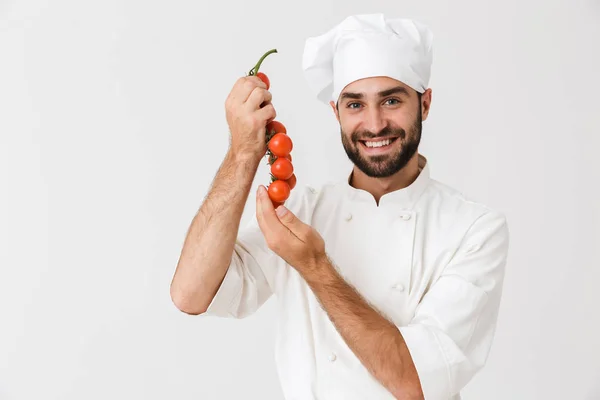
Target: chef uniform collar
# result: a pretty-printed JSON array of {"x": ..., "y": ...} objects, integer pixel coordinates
[{"x": 404, "y": 198}]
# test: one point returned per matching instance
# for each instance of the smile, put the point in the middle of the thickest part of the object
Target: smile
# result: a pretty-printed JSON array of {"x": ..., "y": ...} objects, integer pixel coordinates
[{"x": 379, "y": 144}]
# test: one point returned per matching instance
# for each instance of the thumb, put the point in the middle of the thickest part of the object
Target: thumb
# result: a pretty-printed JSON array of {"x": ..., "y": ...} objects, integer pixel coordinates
[{"x": 292, "y": 222}]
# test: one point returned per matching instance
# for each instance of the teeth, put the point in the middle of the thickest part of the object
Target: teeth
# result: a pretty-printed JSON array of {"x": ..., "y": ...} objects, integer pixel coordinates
[{"x": 378, "y": 144}]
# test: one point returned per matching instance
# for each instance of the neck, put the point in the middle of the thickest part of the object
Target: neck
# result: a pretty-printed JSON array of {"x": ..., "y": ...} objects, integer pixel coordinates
[{"x": 380, "y": 186}]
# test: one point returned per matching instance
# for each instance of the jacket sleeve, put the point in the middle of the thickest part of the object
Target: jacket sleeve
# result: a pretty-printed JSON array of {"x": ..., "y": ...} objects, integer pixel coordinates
[
  {"x": 452, "y": 331},
  {"x": 250, "y": 279},
  {"x": 246, "y": 285}
]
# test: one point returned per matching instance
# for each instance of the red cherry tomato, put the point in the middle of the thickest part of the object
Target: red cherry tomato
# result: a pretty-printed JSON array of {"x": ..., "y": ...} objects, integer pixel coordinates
[
  {"x": 279, "y": 191},
  {"x": 276, "y": 204},
  {"x": 272, "y": 158},
  {"x": 276, "y": 127},
  {"x": 282, "y": 169},
  {"x": 265, "y": 79},
  {"x": 281, "y": 145},
  {"x": 292, "y": 181}
]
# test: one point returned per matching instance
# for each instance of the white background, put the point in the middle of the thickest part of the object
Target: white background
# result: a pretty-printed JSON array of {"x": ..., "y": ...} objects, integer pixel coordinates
[{"x": 112, "y": 126}]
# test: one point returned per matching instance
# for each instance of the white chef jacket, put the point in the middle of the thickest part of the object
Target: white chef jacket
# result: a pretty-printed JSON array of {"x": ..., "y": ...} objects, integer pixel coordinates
[{"x": 427, "y": 258}]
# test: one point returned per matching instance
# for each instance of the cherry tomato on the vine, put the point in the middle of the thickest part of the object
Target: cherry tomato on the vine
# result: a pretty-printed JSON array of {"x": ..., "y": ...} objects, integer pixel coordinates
[
  {"x": 279, "y": 191},
  {"x": 281, "y": 145},
  {"x": 282, "y": 168},
  {"x": 276, "y": 127},
  {"x": 291, "y": 181},
  {"x": 263, "y": 77},
  {"x": 276, "y": 204}
]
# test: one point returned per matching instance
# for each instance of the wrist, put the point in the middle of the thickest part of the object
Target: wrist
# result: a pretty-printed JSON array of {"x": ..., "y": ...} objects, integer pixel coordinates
[
  {"x": 244, "y": 157},
  {"x": 323, "y": 273}
]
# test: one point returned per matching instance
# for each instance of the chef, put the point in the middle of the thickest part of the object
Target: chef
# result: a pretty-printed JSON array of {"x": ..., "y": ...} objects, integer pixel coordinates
[{"x": 388, "y": 283}]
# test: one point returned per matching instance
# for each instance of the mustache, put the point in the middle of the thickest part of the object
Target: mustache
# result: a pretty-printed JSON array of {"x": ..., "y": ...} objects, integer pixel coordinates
[{"x": 387, "y": 131}]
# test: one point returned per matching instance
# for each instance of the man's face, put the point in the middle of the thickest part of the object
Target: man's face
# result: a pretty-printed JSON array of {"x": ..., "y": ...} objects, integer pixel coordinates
[{"x": 380, "y": 122}]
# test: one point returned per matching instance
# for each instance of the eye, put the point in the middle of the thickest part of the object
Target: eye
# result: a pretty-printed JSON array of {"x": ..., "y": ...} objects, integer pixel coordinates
[
  {"x": 349, "y": 105},
  {"x": 397, "y": 101}
]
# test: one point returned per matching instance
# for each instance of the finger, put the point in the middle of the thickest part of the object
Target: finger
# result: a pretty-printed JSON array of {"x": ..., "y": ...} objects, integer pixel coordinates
[
  {"x": 267, "y": 219},
  {"x": 266, "y": 102},
  {"x": 256, "y": 80},
  {"x": 293, "y": 223},
  {"x": 267, "y": 113},
  {"x": 257, "y": 97},
  {"x": 247, "y": 85}
]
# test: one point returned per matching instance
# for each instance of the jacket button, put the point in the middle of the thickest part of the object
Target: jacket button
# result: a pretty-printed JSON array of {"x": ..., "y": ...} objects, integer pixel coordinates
[
  {"x": 405, "y": 217},
  {"x": 332, "y": 357},
  {"x": 348, "y": 217},
  {"x": 399, "y": 287}
]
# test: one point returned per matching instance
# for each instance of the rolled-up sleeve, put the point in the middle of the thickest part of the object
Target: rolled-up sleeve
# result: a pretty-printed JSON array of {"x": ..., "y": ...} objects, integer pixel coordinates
[
  {"x": 246, "y": 285},
  {"x": 451, "y": 334}
]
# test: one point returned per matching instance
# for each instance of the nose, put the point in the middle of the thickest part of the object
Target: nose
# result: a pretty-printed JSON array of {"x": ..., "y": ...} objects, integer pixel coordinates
[{"x": 375, "y": 121}]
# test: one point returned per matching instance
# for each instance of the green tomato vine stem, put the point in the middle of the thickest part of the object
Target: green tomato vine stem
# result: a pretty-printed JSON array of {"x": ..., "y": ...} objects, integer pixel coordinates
[{"x": 255, "y": 69}]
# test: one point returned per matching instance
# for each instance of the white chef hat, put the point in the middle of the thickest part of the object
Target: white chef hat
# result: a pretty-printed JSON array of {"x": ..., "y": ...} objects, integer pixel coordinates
[{"x": 368, "y": 45}]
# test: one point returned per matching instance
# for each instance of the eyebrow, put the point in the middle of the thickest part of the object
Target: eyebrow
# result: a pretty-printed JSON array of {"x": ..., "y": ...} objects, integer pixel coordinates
[{"x": 387, "y": 92}]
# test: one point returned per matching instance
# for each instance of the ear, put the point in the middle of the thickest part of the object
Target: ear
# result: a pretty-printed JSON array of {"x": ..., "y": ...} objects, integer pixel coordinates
[
  {"x": 335, "y": 110},
  {"x": 426, "y": 103}
]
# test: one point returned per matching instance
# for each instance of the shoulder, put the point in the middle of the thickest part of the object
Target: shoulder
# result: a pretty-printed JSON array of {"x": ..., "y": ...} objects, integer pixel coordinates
[{"x": 456, "y": 207}]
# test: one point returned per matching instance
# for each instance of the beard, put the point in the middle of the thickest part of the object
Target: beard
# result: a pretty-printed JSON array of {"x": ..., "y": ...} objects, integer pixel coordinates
[{"x": 384, "y": 165}]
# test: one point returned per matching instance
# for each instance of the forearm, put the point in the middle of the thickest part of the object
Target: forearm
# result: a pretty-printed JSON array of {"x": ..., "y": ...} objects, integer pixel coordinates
[
  {"x": 209, "y": 244},
  {"x": 376, "y": 342}
]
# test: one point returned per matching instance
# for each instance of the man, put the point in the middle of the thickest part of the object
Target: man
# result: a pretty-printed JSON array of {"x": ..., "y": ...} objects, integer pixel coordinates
[{"x": 388, "y": 283}]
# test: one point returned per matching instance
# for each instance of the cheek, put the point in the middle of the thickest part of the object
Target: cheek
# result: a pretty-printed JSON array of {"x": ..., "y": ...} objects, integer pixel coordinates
[
  {"x": 403, "y": 123},
  {"x": 405, "y": 119},
  {"x": 350, "y": 125}
]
